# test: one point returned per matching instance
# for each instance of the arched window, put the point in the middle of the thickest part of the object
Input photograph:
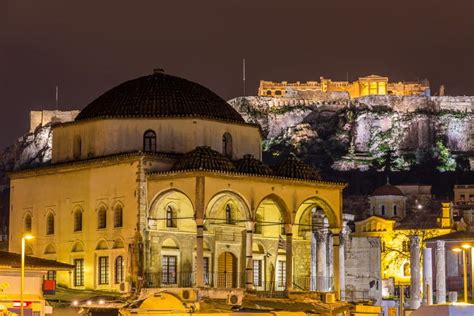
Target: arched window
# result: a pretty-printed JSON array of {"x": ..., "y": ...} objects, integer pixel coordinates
[
  {"x": 50, "y": 224},
  {"x": 227, "y": 145},
  {"x": 382, "y": 209},
  {"x": 77, "y": 147},
  {"x": 394, "y": 210},
  {"x": 269, "y": 92},
  {"x": 102, "y": 218},
  {"x": 170, "y": 217},
  {"x": 28, "y": 223},
  {"x": 149, "y": 141},
  {"x": 119, "y": 278},
  {"x": 118, "y": 216},
  {"x": 78, "y": 220},
  {"x": 228, "y": 214}
]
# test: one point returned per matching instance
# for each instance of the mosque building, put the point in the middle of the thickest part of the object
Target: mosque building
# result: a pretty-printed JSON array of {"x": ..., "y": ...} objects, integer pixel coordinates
[{"x": 159, "y": 183}]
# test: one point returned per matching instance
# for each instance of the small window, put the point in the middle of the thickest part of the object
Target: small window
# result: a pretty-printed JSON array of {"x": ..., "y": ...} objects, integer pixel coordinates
[
  {"x": 228, "y": 214},
  {"x": 406, "y": 269},
  {"x": 278, "y": 92},
  {"x": 149, "y": 141},
  {"x": 269, "y": 92},
  {"x": 170, "y": 217},
  {"x": 50, "y": 224},
  {"x": 394, "y": 210},
  {"x": 102, "y": 218},
  {"x": 28, "y": 223},
  {"x": 227, "y": 145},
  {"x": 119, "y": 270},
  {"x": 103, "y": 270},
  {"x": 77, "y": 147},
  {"x": 382, "y": 209},
  {"x": 78, "y": 272},
  {"x": 78, "y": 220},
  {"x": 118, "y": 216},
  {"x": 257, "y": 272}
]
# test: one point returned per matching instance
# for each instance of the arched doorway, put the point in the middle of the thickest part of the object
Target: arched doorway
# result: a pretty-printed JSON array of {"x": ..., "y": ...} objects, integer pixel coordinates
[{"x": 227, "y": 270}]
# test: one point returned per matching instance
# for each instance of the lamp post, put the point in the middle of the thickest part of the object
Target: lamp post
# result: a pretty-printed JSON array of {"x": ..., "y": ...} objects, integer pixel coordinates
[
  {"x": 464, "y": 248},
  {"x": 22, "y": 276}
]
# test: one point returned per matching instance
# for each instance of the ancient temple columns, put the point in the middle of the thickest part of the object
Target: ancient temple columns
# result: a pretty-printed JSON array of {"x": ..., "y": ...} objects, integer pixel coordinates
[
  {"x": 427, "y": 277},
  {"x": 415, "y": 282},
  {"x": 322, "y": 272},
  {"x": 343, "y": 235},
  {"x": 289, "y": 256},
  {"x": 248, "y": 255},
  {"x": 313, "y": 272},
  {"x": 440, "y": 265}
]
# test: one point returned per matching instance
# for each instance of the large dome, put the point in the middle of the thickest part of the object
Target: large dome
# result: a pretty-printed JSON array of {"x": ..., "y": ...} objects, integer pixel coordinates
[{"x": 160, "y": 95}]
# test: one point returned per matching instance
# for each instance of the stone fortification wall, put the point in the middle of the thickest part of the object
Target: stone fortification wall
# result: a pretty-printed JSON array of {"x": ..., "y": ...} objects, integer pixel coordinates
[
  {"x": 414, "y": 103},
  {"x": 43, "y": 117}
]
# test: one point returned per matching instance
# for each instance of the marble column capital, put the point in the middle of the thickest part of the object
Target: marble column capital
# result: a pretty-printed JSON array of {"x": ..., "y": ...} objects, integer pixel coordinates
[
  {"x": 322, "y": 235},
  {"x": 440, "y": 245}
]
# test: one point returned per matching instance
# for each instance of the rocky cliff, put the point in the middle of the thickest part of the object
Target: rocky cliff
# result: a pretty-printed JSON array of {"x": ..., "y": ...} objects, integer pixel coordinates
[{"x": 365, "y": 132}]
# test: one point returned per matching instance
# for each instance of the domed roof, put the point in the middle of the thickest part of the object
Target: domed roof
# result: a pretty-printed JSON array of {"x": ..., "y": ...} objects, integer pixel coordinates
[
  {"x": 248, "y": 164},
  {"x": 387, "y": 189},
  {"x": 204, "y": 158},
  {"x": 295, "y": 168},
  {"x": 160, "y": 95}
]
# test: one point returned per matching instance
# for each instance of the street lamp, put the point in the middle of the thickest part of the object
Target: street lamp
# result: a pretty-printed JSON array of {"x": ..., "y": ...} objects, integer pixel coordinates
[
  {"x": 464, "y": 248},
  {"x": 22, "y": 276}
]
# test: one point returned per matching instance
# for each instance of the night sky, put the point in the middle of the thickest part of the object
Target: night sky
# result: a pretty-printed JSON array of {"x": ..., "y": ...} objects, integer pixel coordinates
[{"x": 87, "y": 47}]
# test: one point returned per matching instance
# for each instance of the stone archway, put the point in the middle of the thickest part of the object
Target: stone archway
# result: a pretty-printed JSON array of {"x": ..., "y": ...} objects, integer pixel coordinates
[{"x": 227, "y": 270}]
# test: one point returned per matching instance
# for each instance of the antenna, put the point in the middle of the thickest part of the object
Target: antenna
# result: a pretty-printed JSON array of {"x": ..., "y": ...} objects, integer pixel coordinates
[
  {"x": 57, "y": 96},
  {"x": 243, "y": 75}
]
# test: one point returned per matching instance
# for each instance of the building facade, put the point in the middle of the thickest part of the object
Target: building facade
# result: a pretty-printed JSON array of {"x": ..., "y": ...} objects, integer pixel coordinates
[
  {"x": 364, "y": 86},
  {"x": 159, "y": 183}
]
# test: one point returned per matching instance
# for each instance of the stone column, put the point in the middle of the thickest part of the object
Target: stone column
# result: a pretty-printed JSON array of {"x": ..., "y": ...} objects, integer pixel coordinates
[
  {"x": 427, "y": 277},
  {"x": 330, "y": 261},
  {"x": 313, "y": 271},
  {"x": 289, "y": 257},
  {"x": 321, "y": 253},
  {"x": 343, "y": 236},
  {"x": 200, "y": 185},
  {"x": 249, "y": 255},
  {"x": 440, "y": 265},
  {"x": 415, "y": 282}
]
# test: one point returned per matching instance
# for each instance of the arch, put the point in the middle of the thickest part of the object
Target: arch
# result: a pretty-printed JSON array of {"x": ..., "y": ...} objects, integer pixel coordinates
[
  {"x": 227, "y": 145},
  {"x": 102, "y": 245},
  {"x": 182, "y": 208},
  {"x": 78, "y": 246},
  {"x": 49, "y": 249},
  {"x": 102, "y": 217},
  {"x": 27, "y": 222},
  {"x": 118, "y": 215},
  {"x": 149, "y": 141},
  {"x": 118, "y": 243},
  {"x": 50, "y": 223},
  {"x": 77, "y": 147},
  {"x": 217, "y": 205},
  {"x": 304, "y": 223},
  {"x": 78, "y": 219},
  {"x": 273, "y": 214},
  {"x": 170, "y": 243},
  {"x": 257, "y": 247},
  {"x": 333, "y": 218}
]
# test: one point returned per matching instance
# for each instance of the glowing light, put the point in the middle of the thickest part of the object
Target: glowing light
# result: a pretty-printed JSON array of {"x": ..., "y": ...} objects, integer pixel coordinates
[
  {"x": 28, "y": 237},
  {"x": 456, "y": 249},
  {"x": 466, "y": 246},
  {"x": 75, "y": 303},
  {"x": 101, "y": 302},
  {"x": 89, "y": 303},
  {"x": 419, "y": 206}
]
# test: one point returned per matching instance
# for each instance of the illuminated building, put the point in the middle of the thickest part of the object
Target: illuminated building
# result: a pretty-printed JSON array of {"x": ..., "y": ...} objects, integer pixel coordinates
[
  {"x": 364, "y": 86},
  {"x": 159, "y": 183}
]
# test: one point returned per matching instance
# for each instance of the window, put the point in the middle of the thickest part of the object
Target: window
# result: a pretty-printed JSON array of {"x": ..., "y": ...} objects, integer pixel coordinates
[
  {"x": 51, "y": 275},
  {"x": 227, "y": 145},
  {"x": 406, "y": 269},
  {"x": 206, "y": 271},
  {"x": 269, "y": 92},
  {"x": 119, "y": 270},
  {"x": 28, "y": 223},
  {"x": 77, "y": 147},
  {"x": 50, "y": 224},
  {"x": 382, "y": 209},
  {"x": 228, "y": 214},
  {"x": 394, "y": 210},
  {"x": 78, "y": 220},
  {"x": 103, "y": 270},
  {"x": 118, "y": 214},
  {"x": 102, "y": 218},
  {"x": 257, "y": 272},
  {"x": 149, "y": 141},
  {"x": 169, "y": 269},
  {"x": 78, "y": 272},
  {"x": 170, "y": 217},
  {"x": 406, "y": 246},
  {"x": 281, "y": 273},
  {"x": 278, "y": 92}
]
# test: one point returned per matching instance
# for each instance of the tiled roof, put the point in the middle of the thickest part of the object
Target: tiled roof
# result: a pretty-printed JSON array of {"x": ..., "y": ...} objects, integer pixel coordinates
[
  {"x": 204, "y": 158},
  {"x": 248, "y": 164},
  {"x": 418, "y": 220},
  {"x": 455, "y": 236},
  {"x": 13, "y": 260},
  {"x": 387, "y": 189},
  {"x": 295, "y": 168},
  {"x": 160, "y": 95}
]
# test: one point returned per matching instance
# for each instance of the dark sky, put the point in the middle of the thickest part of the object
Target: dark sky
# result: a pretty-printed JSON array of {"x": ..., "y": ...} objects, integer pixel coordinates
[{"x": 86, "y": 47}]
